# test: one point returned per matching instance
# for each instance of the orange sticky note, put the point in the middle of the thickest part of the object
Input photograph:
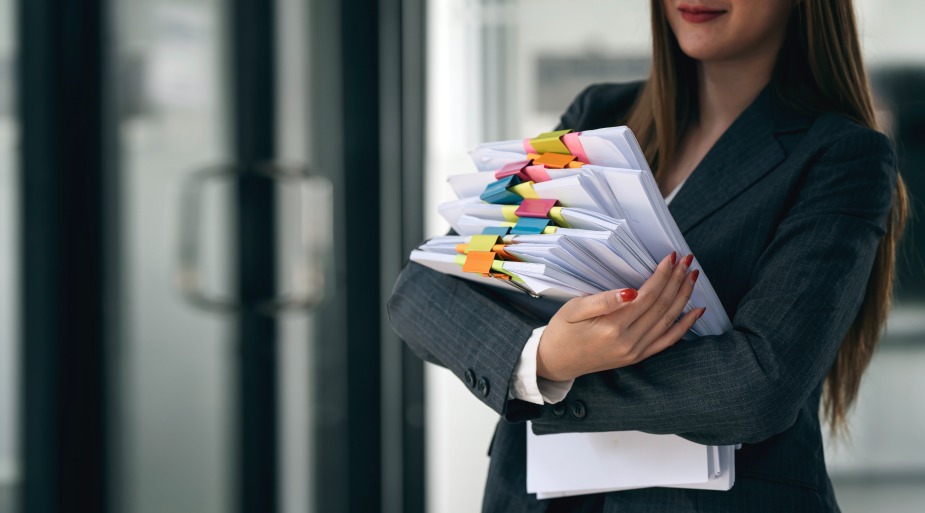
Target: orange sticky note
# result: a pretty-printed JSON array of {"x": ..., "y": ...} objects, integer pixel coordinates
[
  {"x": 479, "y": 262},
  {"x": 554, "y": 160}
]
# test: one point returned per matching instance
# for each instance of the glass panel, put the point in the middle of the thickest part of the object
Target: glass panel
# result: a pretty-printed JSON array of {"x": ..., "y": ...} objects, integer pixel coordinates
[
  {"x": 296, "y": 486},
  {"x": 9, "y": 248},
  {"x": 494, "y": 72},
  {"x": 176, "y": 419}
]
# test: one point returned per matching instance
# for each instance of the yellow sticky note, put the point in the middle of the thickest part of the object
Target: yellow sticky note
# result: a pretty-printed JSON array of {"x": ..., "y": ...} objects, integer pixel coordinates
[
  {"x": 509, "y": 212},
  {"x": 525, "y": 190},
  {"x": 549, "y": 230},
  {"x": 555, "y": 213}
]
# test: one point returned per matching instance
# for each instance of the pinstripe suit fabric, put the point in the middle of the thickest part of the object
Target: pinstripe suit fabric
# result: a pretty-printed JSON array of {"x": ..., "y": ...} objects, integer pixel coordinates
[{"x": 784, "y": 214}]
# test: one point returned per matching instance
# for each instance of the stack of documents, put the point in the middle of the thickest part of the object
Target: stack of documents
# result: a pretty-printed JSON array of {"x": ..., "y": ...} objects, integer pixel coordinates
[{"x": 569, "y": 214}]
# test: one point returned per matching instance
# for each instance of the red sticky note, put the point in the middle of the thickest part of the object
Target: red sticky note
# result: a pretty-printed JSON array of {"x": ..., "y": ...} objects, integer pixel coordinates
[
  {"x": 510, "y": 169},
  {"x": 535, "y": 208}
]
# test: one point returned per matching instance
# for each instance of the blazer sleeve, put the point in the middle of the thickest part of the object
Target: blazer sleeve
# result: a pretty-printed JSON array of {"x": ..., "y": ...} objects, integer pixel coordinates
[{"x": 749, "y": 384}]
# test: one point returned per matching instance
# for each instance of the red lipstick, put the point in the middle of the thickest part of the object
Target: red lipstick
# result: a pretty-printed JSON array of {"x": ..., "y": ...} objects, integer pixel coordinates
[{"x": 699, "y": 13}]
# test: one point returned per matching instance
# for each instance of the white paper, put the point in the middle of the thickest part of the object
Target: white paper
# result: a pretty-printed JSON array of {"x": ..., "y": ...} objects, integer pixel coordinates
[{"x": 617, "y": 459}]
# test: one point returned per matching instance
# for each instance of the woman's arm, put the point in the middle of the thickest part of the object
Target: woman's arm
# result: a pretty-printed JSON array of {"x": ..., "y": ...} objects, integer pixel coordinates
[
  {"x": 749, "y": 384},
  {"x": 743, "y": 386}
]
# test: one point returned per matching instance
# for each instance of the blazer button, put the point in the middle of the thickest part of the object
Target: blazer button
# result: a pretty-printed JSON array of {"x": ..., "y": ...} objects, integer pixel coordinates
[
  {"x": 578, "y": 410},
  {"x": 482, "y": 387},
  {"x": 558, "y": 409},
  {"x": 469, "y": 378}
]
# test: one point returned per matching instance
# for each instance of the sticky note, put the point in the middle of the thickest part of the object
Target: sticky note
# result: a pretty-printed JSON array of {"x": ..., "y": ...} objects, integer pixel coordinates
[
  {"x": 479, "y": 262},
  {"x": 525, "y": 190},
  {"x": 538, "y": 208},
  {"x": 498, "y": 193},
  {"x": 510, "y": 213},
  {"x": 500, "y": 231},
  {"x": 573, "y": 143},
  {"x": 550, "y": 142},
  {"x": 536, "y": 174},
  {"x": 554, "y": 160},
  {"x": 482, "y": 243},
  {"x": 514, "y": 168},
  {"x": 530, "y": 226},
  {"x": 555, "y": 213}
]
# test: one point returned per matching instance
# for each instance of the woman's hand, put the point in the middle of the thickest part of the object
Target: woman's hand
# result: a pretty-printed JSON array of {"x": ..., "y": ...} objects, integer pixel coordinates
[{"x": 617, "y": 328}]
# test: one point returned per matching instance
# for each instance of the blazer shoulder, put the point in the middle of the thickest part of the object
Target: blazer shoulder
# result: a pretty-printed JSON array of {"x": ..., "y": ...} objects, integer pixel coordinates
[
  {"x": 601, "y": 105},
  {"x": 836, "y": 132},
  {"x": 836, "y": 138}
]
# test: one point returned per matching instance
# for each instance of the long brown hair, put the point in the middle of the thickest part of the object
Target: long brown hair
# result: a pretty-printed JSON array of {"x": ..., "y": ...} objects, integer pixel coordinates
[{"x": 819, "y": 69}]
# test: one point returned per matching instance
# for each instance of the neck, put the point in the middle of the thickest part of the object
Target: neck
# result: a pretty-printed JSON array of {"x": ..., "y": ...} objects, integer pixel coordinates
[{"x": 727, "y": 88}]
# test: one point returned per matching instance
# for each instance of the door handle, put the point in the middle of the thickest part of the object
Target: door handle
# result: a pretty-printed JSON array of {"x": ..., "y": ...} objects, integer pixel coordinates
[{"x": 314, "y": 239}]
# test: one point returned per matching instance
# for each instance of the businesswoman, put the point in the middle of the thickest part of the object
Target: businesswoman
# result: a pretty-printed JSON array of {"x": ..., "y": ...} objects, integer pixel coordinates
[{"x": 758, "y": 122}]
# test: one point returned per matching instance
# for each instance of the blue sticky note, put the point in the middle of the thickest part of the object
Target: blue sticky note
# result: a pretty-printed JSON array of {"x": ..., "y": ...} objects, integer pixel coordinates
[
  {"x": 497, "y": 193},
  {"x": 500, "y": 231},
  {"x": 530, "y": 226}
]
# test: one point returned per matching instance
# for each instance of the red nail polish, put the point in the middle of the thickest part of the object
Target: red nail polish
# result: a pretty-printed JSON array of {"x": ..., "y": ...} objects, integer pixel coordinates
[
  {"x": 674, "y": 257},
  {"x": 702, "y": 311},
  {"x": 688, "y": 260},
  {"x": 695, "y": 275},
  {"x": 627, "y": 295}
]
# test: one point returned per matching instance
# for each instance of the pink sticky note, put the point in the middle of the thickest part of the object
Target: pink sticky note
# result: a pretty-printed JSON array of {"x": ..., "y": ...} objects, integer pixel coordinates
[
  {"x": 573, "y": 144},
  {"x": 535, "y": 207},
  {"x": 537, "y": 173},
  {"x": 528, "y": 147},
  {"x": 510, "y": 169}
]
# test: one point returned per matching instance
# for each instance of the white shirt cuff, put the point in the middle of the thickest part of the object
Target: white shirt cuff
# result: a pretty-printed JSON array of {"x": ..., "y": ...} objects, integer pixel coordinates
[{"x": 527, "y": 386}]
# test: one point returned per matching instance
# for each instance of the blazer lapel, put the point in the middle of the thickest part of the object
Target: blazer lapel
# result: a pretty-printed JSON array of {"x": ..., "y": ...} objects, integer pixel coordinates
[{"x": 747, "y": 151}]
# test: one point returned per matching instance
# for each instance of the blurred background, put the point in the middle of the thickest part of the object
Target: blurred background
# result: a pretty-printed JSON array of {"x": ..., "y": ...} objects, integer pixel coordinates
[{"x": 204, "y": 205}]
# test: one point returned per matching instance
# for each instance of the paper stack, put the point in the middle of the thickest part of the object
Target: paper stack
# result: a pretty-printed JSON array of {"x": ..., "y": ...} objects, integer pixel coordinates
[{"x": 569, "y": 214}]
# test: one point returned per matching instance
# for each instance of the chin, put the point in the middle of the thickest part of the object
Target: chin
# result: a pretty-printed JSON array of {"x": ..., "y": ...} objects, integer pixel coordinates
[{"x": 705, "y": 51}]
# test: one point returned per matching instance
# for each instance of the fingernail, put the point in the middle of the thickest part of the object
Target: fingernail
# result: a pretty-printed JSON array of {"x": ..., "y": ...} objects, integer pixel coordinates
[
  {"x": 688, "y": 260},
  {"x": 627, "y": 295},
  {"x": 695, "y": 275},
  {"x": 674, "y": 257},
  {"x": 702, "y": 311}
]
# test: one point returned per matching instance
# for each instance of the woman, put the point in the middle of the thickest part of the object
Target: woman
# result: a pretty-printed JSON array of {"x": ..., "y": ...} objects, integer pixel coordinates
[{"x": 758, "y": 122}]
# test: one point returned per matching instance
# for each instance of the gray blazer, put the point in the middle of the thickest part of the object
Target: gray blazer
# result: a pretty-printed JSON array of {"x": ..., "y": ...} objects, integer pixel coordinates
[{"x": 784, "y": 214}]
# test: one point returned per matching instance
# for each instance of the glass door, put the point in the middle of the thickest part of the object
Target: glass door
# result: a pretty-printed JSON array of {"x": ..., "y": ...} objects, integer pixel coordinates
[
  {"x": 9, "y": 375},
  {"x": 189, "y": 171},
  {"x": 223, "y": 243}
]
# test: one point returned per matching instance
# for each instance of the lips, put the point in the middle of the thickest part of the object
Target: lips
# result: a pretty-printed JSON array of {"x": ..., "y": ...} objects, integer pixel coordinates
[{"x": 699, "y": 13}]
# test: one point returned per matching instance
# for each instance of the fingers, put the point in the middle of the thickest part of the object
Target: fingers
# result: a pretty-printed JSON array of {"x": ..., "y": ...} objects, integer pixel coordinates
[
  {"x": 681, "y": 299},
  {"x": 660, "y": 309},
  {"x": 652, "y": 288},
  {"x": 674, "y": 334},
  {"x": 596, "y": 305}
]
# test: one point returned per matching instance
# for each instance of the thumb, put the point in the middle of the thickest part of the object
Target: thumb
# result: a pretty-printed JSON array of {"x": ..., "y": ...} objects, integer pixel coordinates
[{"x": 599, "y": 304}]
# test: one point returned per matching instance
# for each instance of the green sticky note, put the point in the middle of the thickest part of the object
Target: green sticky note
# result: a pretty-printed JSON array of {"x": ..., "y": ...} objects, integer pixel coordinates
[
  {"x": 550, "y": 142},
  {"x": 482, "y": 243}
]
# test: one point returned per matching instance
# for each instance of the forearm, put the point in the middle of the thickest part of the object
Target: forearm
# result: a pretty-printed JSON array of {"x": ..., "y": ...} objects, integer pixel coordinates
[{"x": 461, "y": 327}]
